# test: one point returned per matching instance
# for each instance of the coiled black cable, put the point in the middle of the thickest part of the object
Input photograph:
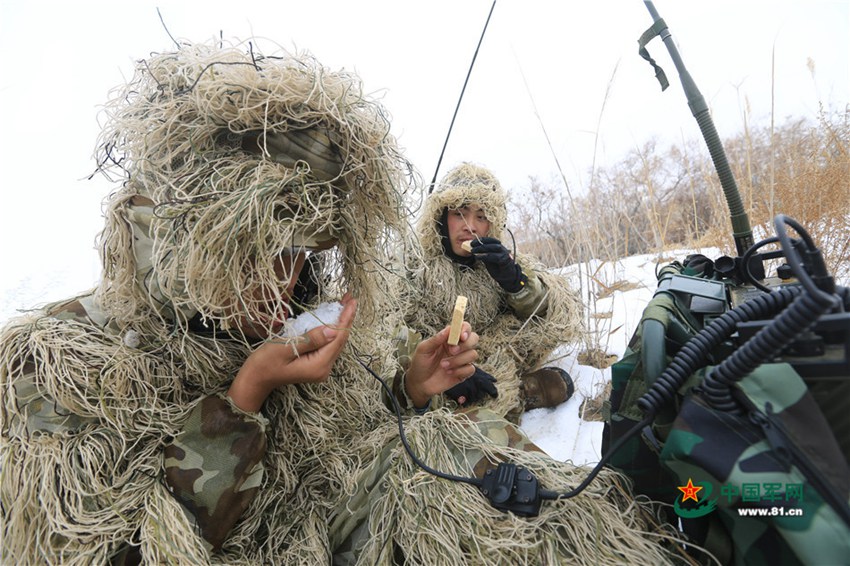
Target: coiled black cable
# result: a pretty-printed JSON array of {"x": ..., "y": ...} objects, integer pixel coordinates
[
  {"x": 745, "y": 264},
  {"x": 799, "y": 317},
  {"x": 694, "y": 354},
  {"x": 802, "y": 312}
]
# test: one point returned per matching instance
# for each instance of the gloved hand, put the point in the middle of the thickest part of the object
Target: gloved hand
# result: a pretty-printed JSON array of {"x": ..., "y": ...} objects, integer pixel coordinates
[
  {"x": 473, "y": 388},
  {"x": 499, "y": 263}
]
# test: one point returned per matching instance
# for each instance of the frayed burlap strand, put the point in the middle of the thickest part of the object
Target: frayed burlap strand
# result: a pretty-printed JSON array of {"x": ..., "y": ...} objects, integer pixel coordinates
[
  {"x": 436, "y": 521},
  {"x": 219, "y": 214},
  {"x": 167, "y": 535}
]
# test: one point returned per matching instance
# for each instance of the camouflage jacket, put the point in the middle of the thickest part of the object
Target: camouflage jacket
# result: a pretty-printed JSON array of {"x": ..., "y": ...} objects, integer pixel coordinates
[
  {"x": 531, "y": 299},
  {"x": 213, "y": 467}
]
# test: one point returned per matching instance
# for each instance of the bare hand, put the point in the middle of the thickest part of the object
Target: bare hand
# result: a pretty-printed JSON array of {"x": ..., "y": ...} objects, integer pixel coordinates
[
  {"x": 275, "y": 364},
  {"x": 436, "y": 366}
]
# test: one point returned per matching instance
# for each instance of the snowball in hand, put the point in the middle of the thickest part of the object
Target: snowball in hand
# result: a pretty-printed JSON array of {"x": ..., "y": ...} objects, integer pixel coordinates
[{"x": 325, "y": 313}]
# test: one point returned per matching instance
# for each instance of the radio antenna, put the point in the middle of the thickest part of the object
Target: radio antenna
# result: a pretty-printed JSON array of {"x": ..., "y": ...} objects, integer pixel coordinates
[
  {"x": 468, "y": 73},
  {"x": 741, "y": 230}
]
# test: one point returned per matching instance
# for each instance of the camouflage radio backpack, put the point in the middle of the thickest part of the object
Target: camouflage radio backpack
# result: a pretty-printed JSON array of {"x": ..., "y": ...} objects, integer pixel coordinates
[
  {"x": 739, "y": 395},
  {"x": 730, "y": 403}
]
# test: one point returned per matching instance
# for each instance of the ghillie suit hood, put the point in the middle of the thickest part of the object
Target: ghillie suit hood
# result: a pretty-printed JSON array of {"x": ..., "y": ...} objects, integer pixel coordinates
[
  {"x": 463, "y": 185},
  {"x": 207, "y": 201},
  {"x": 509, "y": 346},
  {"x": 210, "y": 187}
]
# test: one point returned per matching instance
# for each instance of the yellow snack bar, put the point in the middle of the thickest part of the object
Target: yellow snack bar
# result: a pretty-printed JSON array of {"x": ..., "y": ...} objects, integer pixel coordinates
[{"x": 457, "y": 320}]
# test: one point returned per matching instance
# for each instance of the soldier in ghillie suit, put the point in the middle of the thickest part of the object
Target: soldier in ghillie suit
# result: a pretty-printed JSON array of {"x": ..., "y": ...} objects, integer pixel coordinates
[
  {"x": 161, "y": 418},
  {"x": 521, "y": 311}
]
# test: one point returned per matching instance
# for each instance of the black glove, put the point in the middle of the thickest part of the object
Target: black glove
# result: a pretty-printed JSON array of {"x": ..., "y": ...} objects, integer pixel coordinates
[
  {"x": 473, "y": 388},
  {"x": 499, "y": 263}
]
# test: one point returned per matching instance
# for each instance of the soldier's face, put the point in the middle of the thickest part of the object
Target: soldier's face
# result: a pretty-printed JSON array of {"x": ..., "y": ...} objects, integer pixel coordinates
[
  {"x": 466, "y": 223},
  {"x": 271, "y": 306}
]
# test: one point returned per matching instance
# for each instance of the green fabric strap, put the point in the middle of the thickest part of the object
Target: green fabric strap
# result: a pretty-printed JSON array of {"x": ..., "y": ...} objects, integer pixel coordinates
[{"x": 647, "y": 36}]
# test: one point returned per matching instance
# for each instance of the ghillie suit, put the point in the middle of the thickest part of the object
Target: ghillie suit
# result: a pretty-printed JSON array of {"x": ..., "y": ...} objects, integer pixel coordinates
[
  {"x": 95, "y": 388},
  {"x": 518, "y": 331},
  {"x": 417, "y": 518},
  {"x": 118, "y": 443}
]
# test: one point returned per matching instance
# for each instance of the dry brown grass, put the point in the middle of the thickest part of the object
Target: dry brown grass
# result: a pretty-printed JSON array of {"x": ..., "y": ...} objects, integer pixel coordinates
[
  {"x": 608, "y": 290},
  {"x": 661, "y": 198},
  {"x": 591, "y": 409},
  {"x": 658, "y": 198},
  {"x": 595, "y": 357}
]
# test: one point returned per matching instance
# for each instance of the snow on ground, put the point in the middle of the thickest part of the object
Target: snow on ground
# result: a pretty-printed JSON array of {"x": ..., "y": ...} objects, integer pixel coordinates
[
  {"x": 618, "y": 293},
  {"x": 35, "y": 284}
]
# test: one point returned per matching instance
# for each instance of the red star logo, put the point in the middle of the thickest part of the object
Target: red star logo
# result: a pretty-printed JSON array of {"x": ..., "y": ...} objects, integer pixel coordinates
[{"x": 690, "y": 491}]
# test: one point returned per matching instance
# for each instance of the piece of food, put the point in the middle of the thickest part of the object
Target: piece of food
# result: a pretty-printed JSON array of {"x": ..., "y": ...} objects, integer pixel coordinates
[
  {"x": 324, "y": 314},
  {"x": 457, "y": 320},
  {"x": 467, "y": 245}
]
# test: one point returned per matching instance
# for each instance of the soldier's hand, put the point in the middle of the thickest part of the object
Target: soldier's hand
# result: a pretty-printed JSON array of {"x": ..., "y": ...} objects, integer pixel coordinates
[
  {"x": 499, "y": 263},
  {"x": 474, "y": 388},
  {"x": 436, "y": 366},
  {"x": 278, "y": 363}
]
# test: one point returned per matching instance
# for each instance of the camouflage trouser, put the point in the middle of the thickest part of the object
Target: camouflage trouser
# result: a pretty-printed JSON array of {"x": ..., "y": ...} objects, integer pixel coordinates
[{"x": 350, "y": 527}]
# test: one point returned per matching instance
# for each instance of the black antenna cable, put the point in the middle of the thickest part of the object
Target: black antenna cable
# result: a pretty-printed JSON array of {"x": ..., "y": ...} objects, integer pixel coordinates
[{"x": 451, "y": 125}]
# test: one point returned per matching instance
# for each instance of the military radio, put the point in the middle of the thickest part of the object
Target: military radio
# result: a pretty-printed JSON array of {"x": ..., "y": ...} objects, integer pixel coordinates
[{"x": 737, "y": 380}]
